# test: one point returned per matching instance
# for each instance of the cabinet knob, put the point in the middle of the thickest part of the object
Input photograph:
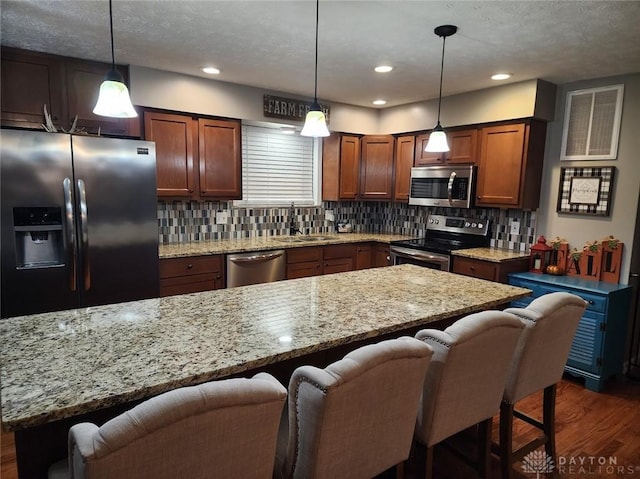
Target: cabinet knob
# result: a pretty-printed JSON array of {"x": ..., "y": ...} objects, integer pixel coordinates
[
  {"x": 478, "y": 197},
  {"x": 189, "y": 266},
  {"x": 218, "y": 277},
  {"x": 473, "y": 268}
]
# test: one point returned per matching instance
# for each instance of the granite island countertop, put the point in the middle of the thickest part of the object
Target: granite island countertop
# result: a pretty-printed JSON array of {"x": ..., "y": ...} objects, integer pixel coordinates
[
  {"x": 62, "y": 364},
  {"x": 261, "y": 243},
  {"x": 494, "y": 255}
]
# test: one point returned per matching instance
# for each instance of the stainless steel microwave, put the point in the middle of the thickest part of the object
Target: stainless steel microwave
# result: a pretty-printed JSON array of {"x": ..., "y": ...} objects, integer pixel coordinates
[{"x": 444, "y": 186}]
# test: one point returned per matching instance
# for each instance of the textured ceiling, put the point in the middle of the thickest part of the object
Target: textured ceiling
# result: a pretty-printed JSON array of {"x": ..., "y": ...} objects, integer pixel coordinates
[{"x": 270, "y": 44}]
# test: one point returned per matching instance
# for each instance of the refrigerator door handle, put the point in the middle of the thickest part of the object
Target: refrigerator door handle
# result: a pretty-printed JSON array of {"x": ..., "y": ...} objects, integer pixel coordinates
[
  {"x": 70, "y": 242},
  {"x": 84, "y": 235}
]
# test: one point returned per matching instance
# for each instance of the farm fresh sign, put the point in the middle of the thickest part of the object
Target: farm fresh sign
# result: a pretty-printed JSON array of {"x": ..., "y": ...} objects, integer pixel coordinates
[{"x": 288, "y": 108}]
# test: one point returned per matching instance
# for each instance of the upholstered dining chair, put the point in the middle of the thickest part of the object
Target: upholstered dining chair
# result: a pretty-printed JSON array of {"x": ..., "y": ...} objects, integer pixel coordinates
[
  {"x": 355, "y": 418},
  {"x": 465, "y": 381},
  {"x": 225, "y": 428},
  {"x": 550, "y": 324}
]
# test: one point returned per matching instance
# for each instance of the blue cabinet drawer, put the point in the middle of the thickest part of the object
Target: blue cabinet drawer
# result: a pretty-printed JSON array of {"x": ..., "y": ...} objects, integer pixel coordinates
[{"x": 596, "y": 302}]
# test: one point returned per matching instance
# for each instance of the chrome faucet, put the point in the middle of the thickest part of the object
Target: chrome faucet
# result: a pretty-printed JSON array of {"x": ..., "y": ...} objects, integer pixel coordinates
[{"x": 292, "y": 224}]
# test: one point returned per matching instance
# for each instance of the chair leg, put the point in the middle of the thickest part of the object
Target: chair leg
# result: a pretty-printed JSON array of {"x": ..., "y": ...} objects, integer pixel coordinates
[
  {"x": 484, "y": 447},
  {"x": 428, "y": 473},
  {"x": 506, "y": 439},
  {"x": 549, "y": 420}
]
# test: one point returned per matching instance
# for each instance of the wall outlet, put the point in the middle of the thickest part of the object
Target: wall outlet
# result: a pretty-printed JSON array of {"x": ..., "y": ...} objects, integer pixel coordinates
[
  {"x": 328, "y": 214},
  {"x": 222, "y": 217},
  {"x": 514, "y": 228}
]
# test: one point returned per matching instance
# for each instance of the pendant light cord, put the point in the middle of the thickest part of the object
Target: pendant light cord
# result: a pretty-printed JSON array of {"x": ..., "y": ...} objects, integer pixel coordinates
[
  {"x": 113, "y": 57},
  {"x": 444, "y": 39},
  {"x": 315, "y": 90}
]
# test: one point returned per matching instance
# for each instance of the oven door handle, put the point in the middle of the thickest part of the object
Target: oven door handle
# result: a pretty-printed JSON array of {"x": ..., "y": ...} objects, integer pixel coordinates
[
  {"x": 452, "y": 178},
  {"x": 421, "y": 255}
]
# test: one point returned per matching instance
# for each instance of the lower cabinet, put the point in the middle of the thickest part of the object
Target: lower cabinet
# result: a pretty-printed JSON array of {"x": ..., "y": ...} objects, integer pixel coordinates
[
  {"x": 304, "y": 262},
  {"x": 489, "y": 270},
  {"x": 363, "y": 255},
  {"x": 339, "y": 258},
  {"x": 191, "y": 274},
  {"x": 381, "y": 255},
  {"x": 597, "y": 352}
]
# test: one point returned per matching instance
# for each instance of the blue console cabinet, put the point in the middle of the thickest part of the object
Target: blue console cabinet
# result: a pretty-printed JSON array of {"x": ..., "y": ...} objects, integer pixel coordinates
[{"x": 598, "y": 347}]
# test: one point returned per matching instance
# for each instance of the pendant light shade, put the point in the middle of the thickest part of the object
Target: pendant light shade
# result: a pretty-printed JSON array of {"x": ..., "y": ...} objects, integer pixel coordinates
[
  {"x": 438, "y": 138},
  {"x": 113, "y": 99},
  {"x": 315, "y": 124}
]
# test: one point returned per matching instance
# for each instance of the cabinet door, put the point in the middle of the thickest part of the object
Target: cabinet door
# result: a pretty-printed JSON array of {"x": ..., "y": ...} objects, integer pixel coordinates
[
  {"x": 403, "y": 162},
  {"x": 475, "y": 268},
  {"x": 29, "y": 81},
  {"x": 363, "y": 256},
  {"x": 349, "y": 167},
  {"x": 175, "y": 163},
  {"x": 381, "y": 255},
  {"x": 304, "y": 270},
  {"x": 331, "y": 168},
  {"x": 424, "y": 158},
  {"x": 586, "y": 348},
  {"x": 338, "y": 265},
  {"x": 220, "y": 159},
  {"x": 376, "y": 168},
  {"x": 83, "y": 85},
  {"x": 463, "y": 146},
  {"x": 500, "y": 165}
]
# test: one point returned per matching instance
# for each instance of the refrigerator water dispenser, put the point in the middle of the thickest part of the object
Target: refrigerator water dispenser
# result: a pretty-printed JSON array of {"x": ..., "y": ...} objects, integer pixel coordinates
[{"x": 39, "y": 242}]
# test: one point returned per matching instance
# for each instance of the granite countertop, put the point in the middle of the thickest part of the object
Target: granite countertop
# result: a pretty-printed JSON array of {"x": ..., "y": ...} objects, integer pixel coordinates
[
  {"x": 61, "y": 364},
  {"x": 262, "y": 243},
  {"x": 494, "y": 255}
]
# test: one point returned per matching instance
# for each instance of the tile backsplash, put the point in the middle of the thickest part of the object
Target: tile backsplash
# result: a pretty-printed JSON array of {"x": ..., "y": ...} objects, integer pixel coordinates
[{"x": 184, "y": 221}]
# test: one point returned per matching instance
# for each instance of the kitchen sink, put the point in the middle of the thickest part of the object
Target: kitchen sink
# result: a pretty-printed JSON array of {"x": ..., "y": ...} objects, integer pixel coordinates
[{"x": 302, "y": 239}]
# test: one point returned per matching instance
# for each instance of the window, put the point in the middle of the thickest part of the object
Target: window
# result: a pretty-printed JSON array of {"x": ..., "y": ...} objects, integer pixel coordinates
[
  {"x": 278, "y": 168},
  {"x": 592, "y": 124}
]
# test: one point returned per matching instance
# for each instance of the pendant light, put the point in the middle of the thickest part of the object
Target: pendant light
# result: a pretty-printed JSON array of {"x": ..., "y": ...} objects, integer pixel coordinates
[
  {"x": 315, "y": 123},
  {"x": 438, "y": 138},
  {"x": 113, "y": 100}
]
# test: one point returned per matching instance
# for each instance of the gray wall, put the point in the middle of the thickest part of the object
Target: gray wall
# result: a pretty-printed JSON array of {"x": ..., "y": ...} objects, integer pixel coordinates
[{"x": 579, "y": 229}]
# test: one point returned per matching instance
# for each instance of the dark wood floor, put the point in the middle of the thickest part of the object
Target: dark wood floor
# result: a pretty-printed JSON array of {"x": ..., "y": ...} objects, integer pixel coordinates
[{"x": 589, "y": 425}]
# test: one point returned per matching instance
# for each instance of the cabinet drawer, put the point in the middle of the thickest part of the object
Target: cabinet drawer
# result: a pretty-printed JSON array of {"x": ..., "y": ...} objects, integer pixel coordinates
[
  {"x": 339, "y": 251},
  {"x": 301, "y": 255},
  {"x": 477, "y": 269},
  {"x": 595, "y": 302},
  {"x": 190, "y": 284},
  {"x": 192, "y": 265}
]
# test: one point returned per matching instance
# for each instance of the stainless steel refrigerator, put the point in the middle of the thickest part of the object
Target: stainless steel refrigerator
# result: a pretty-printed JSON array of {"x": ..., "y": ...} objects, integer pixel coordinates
[{"x": 79, "y": 221}]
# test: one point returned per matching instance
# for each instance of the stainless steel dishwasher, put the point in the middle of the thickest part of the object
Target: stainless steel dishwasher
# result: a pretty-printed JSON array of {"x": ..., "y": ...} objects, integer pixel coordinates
[{"x": 255, "y": 267}]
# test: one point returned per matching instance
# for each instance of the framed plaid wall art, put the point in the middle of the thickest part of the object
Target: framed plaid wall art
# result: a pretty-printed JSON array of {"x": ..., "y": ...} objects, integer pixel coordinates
[{"x": 586, "y": 191}]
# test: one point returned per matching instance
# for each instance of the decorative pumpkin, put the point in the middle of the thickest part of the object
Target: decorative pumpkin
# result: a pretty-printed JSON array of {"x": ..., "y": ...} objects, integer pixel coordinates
[{"x": 554, "y": 270}]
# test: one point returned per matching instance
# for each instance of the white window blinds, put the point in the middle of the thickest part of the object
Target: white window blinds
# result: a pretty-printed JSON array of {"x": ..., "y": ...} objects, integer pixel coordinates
[
  {"x": 592, "y": 124},
  {"x": 277, "y": 168}
]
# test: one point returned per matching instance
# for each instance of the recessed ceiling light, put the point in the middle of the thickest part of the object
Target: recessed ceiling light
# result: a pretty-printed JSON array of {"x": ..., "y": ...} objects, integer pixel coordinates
[
  {"x": 379, "y": 102},
  {"x": 501, "y": 76},
  {"x": 211, "y": 70},
  {"x": 383, "y": 69}
]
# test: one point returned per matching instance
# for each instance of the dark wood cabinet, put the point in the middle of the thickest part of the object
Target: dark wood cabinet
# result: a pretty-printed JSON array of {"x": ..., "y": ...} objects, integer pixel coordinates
[
  {"x": 463, "y": 148},
  {"x": 196, "y": 158},
  {"x": 339, "y": 258},
  {"x": 489, "y": 270},
  {"x": 376, "y": 167},
  {"x": 364, "y": 252},
  {"x": 349, "y": 166},
  {"x": 304, "y": 262},
  {"x": 381, "y": 255},
  {"x": 191, "y": 274},
  {"x": 510, "y": 165},
  {"x": 403, "y": 162},
  {"x": 220, "y": 159},
  {"x": 67, "y": 86},
  {"x": 175, "y": 137}
]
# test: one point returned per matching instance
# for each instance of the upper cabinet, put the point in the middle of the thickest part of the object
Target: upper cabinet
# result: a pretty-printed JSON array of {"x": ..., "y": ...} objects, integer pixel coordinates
[
  {"x": 67, "y": 86},
  {"x": 376, "y": 167},
  {"x": 463, "y": 148},
  {"x": 510, "y": 165},
  {"x": 340, "y": 167},
  {"x": 196, "y": 158},
  {"x": 403, "y": 163}
]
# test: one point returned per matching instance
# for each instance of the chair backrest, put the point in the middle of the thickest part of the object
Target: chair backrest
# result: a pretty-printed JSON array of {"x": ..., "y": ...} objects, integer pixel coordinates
[
  {"x": 355, "y": 418},
  {"x": 224, "y": 428},
  {"x": 465, "y": 381},
  {"x": 550, "y": 325}
]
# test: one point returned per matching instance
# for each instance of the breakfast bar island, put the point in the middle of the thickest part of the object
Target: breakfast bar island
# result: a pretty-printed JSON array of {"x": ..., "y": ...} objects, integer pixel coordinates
[{"x": 70, "y": 366}]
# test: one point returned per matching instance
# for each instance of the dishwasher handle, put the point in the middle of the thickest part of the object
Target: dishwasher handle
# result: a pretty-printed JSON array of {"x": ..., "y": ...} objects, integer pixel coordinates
[{"x": 257, "y": 258}]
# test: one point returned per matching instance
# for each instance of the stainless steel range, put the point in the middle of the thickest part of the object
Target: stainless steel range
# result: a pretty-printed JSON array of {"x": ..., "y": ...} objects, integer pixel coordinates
[{"x": 444, "y": 234}]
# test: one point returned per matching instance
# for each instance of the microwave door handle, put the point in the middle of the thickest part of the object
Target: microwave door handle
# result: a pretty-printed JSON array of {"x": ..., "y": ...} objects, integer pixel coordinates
[{"x": 452, "y": 177}]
